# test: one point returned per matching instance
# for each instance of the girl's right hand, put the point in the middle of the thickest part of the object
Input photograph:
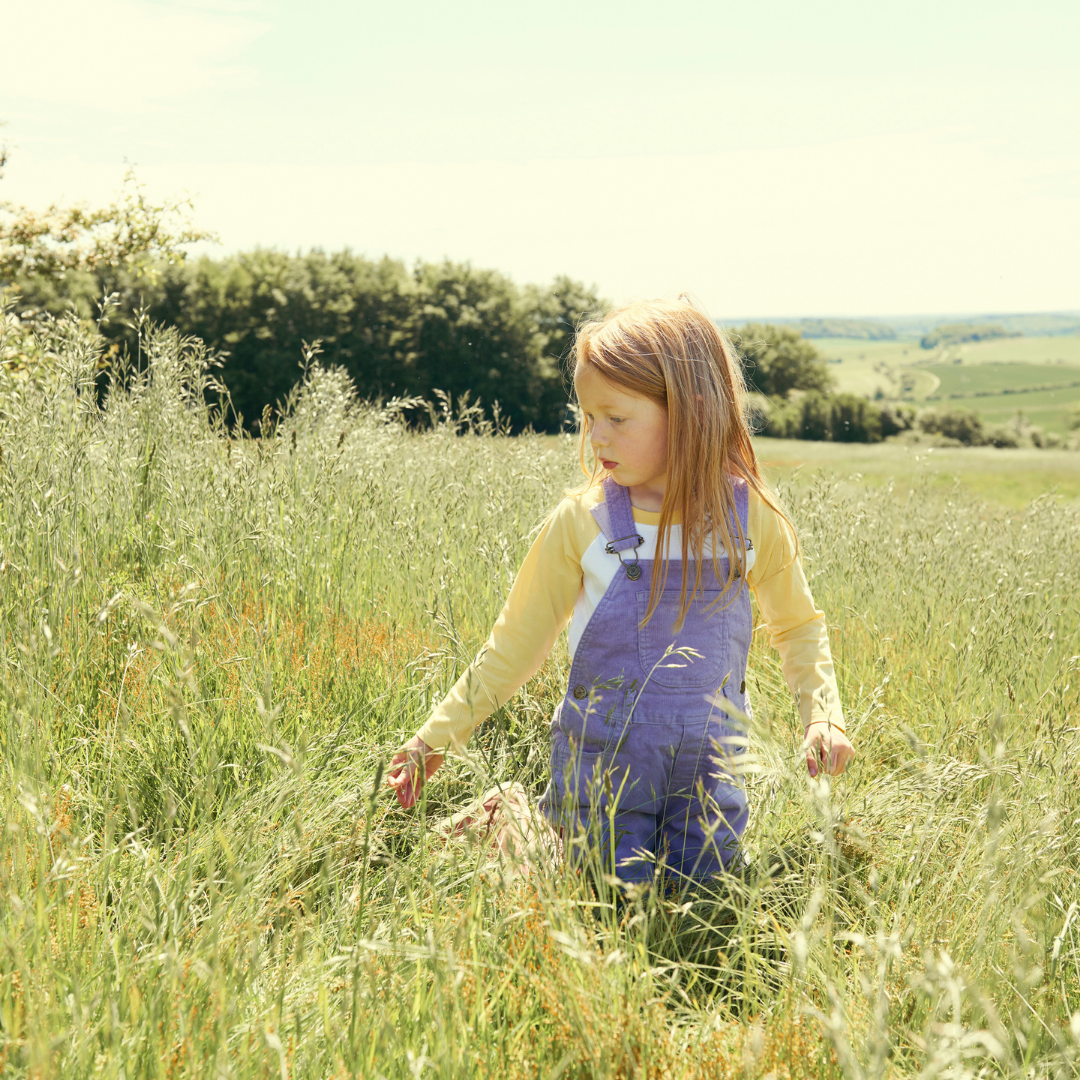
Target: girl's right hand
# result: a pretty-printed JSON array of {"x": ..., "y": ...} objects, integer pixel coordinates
[
  {"x": 414, "y": 763},
  {"x": 827, "y": 749}
]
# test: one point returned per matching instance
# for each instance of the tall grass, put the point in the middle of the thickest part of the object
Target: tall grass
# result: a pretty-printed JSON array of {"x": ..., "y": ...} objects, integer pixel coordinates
[{"x": 211, "y": 644}]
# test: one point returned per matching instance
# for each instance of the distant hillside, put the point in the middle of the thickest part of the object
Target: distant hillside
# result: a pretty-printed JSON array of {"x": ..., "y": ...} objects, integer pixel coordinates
[
  {"x": 845, "y": 328},
  {"x": 957, "y": 333},
  {"x": 1030, "y": 324},
  {"x": 1037, "y": 324}
]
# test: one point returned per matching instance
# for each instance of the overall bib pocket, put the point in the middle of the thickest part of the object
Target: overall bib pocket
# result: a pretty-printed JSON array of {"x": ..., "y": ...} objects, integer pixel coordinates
[
  {"x": 701, "y": 630},
  {"x": 594, "y": 716}
]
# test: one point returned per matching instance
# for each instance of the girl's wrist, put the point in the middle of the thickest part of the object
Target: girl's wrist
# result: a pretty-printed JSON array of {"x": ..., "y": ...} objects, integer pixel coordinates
[{"x": 828, "y": 723}]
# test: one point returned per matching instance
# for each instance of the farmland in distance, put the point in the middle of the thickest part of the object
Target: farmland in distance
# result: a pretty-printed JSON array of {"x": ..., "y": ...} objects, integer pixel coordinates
[{"x": 1039, "y": 376}]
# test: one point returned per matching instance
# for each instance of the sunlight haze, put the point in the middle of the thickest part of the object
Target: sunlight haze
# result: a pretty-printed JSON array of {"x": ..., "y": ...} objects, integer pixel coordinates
[{"x": 771, "y": 159}]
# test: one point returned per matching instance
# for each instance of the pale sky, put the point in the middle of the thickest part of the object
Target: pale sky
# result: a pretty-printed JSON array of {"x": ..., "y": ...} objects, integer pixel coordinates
[{"x": 776, "y": 157}]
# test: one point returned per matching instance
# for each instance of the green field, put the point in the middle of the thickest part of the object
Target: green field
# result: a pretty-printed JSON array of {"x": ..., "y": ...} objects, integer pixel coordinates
[
  {"x": 212, "y": 645},
  {"x": 867, "y": 367},
  {"x": 972, "y": 379},
  {"x": 901, "y": 369},
  {"x": 1055, "y": 388},
  {"x": 1001, "y": 478},
  {"x": 1046, "y": 408},
  {"x": 855, "y": 354}
]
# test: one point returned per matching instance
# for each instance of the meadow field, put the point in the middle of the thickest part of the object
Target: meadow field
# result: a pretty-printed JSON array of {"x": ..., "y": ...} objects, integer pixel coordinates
[
  {"x": 1000, "y": 478},
  {"x": 212, "y": 645},
  {"x": 1039, "y": 376}
]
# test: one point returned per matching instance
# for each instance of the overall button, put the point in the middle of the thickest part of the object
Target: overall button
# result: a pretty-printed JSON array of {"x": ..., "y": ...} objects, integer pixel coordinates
[
  {"x": 580, "y": 692},
  {"x": 742, "y": 687}
]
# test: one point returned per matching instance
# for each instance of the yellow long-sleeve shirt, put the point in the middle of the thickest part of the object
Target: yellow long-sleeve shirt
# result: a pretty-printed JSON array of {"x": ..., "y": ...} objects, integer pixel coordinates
[{"x": 567, "y": 572}]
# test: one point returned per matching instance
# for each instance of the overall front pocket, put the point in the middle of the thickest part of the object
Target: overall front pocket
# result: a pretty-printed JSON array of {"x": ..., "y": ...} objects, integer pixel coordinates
[
  {"x": 702, "y": 631},
  {"x": 580, "y": 777}
]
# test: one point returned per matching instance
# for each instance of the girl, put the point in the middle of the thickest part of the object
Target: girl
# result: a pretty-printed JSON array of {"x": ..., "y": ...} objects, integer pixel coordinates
[{"x": 657, "y": 552}]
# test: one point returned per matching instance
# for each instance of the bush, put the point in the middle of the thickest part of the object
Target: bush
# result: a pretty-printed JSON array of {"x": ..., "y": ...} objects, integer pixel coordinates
[
  {"x": 814, "y": 416},
  {"x": 896, "y": 419},
  {"x": 963, "y": 425},
  {"x": 852, "y": 419},
  {"x": 855, "y": 419},
  {"x": 1072, "y": 417},
  {"x": 1005, "y": 437},
  {"x": 1046, "y": 440},
  {"x": 818, "y": 417}
]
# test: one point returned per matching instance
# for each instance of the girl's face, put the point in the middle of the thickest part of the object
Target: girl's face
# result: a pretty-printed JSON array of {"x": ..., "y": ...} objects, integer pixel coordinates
[{"x": 628, "y": 434}]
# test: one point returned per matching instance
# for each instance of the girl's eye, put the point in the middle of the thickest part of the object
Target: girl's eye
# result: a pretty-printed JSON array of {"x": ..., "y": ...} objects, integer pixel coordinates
[{"x": 617, "y": 419}]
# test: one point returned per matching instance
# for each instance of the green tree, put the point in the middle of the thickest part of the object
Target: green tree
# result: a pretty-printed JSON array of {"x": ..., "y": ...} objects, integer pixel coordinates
[
  {"x": 70, "y": 257},
  {"x": 259, "y": 308},
  {"x": 397, "y": 332},
  {"x": 557, "y": 312},
  {"x": 778, "y": 359},
  {"x": 472, "y": 333},
  {"x": 134, "y": 233}
]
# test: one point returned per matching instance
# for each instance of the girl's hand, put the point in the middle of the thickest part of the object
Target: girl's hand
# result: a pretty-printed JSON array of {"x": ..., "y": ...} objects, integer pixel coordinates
[
  {"x": 827, "y": 749},
  {"x": 411, "y": 766}
]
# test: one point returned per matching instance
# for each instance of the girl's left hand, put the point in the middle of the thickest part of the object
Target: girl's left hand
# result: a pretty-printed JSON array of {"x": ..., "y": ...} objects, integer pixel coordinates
[{"x": 827, "y": 749}]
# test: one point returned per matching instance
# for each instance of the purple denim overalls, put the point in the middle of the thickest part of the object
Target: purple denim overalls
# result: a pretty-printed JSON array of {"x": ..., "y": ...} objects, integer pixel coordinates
[{"x": 644, "y": 737}]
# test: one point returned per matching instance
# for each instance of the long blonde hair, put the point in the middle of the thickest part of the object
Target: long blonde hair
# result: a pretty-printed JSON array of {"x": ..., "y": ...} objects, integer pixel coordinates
[{"x": 675, "y": 355}]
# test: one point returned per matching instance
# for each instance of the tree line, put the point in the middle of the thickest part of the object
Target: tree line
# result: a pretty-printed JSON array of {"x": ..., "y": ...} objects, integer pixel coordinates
[{"x": 397, "y": 331}]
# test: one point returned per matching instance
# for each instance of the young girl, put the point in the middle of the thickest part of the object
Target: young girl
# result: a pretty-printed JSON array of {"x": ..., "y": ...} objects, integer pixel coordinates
[{"x": 658, "y": 551}]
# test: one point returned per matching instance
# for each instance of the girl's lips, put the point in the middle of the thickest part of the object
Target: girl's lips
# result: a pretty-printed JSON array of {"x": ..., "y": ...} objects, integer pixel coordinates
[{"x": 609, "y": 465}]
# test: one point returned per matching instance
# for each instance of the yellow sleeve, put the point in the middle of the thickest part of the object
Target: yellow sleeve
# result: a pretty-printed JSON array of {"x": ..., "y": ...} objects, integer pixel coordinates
[
  {"x": 796, "y": 627},
  {"x": 535, "y": 613}
]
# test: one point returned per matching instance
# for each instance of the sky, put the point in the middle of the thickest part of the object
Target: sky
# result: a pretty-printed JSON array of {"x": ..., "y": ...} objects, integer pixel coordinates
[{"x": 775, "y": 158}]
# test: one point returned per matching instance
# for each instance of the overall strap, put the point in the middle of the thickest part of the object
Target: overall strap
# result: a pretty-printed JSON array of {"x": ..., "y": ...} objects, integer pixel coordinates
[
  {"x": 615, "y": 516},
  {"x": 742, "y": 504}
]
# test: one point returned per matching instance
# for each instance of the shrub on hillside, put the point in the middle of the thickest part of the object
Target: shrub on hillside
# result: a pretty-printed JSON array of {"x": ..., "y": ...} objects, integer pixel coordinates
[
  {"x": 816, "y": 416},
  {"x": 963, "y": 425},
  {"x": 896, "y": 418},
  {"x": 1005, "y": 437},
  {"x": 855, "y": 419}
]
